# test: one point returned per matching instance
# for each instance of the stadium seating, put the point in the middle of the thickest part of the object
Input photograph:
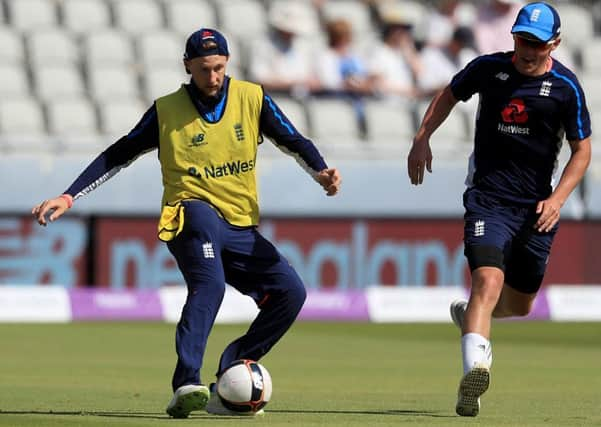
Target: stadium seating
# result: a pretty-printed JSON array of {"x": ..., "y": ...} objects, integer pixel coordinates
[
  {"x": 137, "y": 16},
  {"x": 242, "y": 18},
  {"x": 84, "y": 16},
  {"x": 576, "y": 25},
  {"x": 101, "y": 56},
  {"x": 118, "y": 117},
  {"x": 108, "y": 46},
  {"x": 13, "y": 81},
  {"x": 52, "y": 46},
  {"x": 25, "y": 15},
  {"x": 71, "y": 116},
  {"x": 11, "y": 46},
  {"x": 53, "y": 81},
  {"x": 161, "y": 80},
  {"x": 185, "y": 16},
  {"x": 160, "y": 48},
  {"x": 22, "y": 126},
  {"x": 112, "y": 82}
]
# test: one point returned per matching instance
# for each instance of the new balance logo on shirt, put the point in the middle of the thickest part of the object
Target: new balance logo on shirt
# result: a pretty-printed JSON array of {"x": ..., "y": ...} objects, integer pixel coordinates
[{"x": 207, "y": 250}]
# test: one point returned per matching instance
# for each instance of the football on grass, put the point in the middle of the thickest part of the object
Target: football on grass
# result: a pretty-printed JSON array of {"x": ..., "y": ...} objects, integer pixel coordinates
[{"x": 245, "y": 386}]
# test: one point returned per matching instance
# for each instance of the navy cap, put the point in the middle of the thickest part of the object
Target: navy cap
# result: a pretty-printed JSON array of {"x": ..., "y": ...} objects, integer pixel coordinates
[
  {"x": 538, "y": 19},
  {"x": 206, "y": 42}
]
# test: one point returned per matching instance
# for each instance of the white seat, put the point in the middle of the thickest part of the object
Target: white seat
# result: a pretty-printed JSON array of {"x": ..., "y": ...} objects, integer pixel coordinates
[
  {"x": 187, "y": 16},
  {"x": 160, "y": 81},
  {"x": 83, "y": 16},
  {"x": 112, "y": 81},
  {"x": 137, "y": 16},
  {"x": 295, "y": 113},
  {"x": 58, "y": 81},
  {"x": 22, "y": 126},
  {"x": 52, "y": 45},
  {"x": 576, "y": 25},
  {"x": 356, "y": 13},
  {"x": 242, "y": 18},
  {"x": 75, "y": 116},
  {"x": 389, "y": 124},
  {"x": 21, "y": 116},
  {"x": 28, "y": 14},
  {"x": 117, "y": 118},
  {"x": 160, "y": 48},
  {"x": 333, "y": 120},
  {"x": 13, "y": 81},
  {"x": 11, "y": 46},
  {"x": 591, "y": 57},
  {"x": 108, "y": 47}
]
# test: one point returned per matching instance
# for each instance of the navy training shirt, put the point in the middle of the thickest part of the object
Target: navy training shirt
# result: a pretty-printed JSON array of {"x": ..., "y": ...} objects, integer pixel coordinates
[{"x": 520, "y": 125}]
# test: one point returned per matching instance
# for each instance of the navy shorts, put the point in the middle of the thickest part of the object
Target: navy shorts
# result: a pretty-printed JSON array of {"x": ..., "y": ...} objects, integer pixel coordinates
[{"x": 500, "y": 234}]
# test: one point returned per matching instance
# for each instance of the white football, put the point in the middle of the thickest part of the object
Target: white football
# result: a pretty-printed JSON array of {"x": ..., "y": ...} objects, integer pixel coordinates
[{"x": 245, "y": 386}]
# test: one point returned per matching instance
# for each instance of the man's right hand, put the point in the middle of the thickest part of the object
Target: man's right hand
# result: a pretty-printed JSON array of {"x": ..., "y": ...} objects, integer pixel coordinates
[
  {"x": 419, "y": 160},
  {"x": 55, "y": 207}
]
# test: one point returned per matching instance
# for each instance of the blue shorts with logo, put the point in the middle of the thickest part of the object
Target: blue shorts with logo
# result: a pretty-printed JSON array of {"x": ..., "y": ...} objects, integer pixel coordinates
[{"x": 500, "y": 234}]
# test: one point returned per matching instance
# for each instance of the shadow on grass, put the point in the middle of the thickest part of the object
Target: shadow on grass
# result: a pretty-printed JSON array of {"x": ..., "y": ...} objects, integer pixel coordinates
[
  {"x": 406, "y": 412},
  {"x": 115, "y": 414},
  {"x": 162, "y": 415}
]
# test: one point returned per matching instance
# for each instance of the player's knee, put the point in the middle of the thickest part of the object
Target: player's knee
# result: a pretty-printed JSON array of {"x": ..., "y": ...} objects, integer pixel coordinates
[
  {"x": 297, "y": 294},
  {"x": 486, "y": 291}
]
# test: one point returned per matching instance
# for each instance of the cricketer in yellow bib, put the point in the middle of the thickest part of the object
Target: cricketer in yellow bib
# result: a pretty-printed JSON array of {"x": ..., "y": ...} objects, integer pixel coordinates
[
  {"x": 207, "y": 135},
  {"x": 214, "y": 162}
]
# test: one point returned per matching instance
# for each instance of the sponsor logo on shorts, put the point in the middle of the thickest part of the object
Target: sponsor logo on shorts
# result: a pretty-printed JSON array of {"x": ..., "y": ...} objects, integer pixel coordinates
[
  {"x": 479, "y": 228},
  {"x": 207, "y": 250}
]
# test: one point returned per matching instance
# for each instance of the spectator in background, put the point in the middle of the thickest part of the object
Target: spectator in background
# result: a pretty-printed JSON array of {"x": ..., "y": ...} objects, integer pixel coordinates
[
  {"x": 281, "y": 62},
  {"x": 440, "y": 23},
  {"x": 490, "y": 28},
  {"x": 395, "y": 62},
  {"x": 439, "y": 65},
  {"x": 340, "y": 71}
]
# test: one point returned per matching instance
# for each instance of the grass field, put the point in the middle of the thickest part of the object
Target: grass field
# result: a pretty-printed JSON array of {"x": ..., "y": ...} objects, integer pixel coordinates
[{"x": 334, "y": 374}]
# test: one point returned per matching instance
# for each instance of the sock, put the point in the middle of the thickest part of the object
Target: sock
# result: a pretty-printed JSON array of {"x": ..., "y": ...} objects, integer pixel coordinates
[{"x": 475, "y": 349}]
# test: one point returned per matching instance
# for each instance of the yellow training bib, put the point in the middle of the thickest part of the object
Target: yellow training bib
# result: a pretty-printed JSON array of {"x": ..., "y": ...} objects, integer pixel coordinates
[{"x": 214, "y": 162}]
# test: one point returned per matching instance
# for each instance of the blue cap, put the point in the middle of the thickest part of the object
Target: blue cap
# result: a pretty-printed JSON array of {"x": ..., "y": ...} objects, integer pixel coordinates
[
  {"x": 206, "y": 42},
  {"x": 538, "y": 19}
]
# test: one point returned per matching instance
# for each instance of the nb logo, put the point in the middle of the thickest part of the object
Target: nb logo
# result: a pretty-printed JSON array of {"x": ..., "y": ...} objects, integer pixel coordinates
[
  {"x": 502, "y": 76},
  {"x": 198, "y": 140},
  {"x": 515, "y": 112}
]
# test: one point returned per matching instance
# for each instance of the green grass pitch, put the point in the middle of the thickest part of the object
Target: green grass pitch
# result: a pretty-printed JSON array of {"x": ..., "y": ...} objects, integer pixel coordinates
[{"x": 330, "y": 374}]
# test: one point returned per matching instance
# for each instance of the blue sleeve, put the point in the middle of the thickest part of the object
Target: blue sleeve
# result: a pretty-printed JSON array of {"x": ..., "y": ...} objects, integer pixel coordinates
[
  {"x": 275, "y": 125},
  {"x": 467, "y": 81},
  {"x": 576, "y": 121},
  {"x": 142, "y": 138}
]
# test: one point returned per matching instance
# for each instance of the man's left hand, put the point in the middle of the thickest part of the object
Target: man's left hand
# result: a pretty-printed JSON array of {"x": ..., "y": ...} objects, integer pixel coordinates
[{"x": 330, "y": 180}]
